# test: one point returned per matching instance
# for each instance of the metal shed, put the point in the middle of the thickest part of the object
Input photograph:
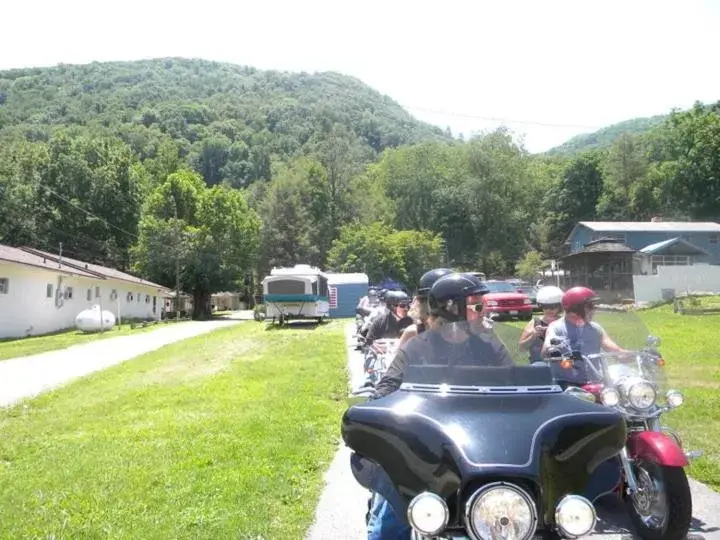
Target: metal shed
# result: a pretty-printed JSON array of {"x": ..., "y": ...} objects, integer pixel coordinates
[{"x": 346, "y": 290}]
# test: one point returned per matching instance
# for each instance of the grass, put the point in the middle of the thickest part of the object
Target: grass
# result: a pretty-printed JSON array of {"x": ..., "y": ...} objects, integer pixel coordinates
[
  {"x": 690, "y": 347},
  {"x": 17, "y": 347},
  {"x": 221, "y": 436}
]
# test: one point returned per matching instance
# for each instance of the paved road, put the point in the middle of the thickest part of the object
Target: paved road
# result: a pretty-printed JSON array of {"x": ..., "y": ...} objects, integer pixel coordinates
[
  {"x": 29, "y": 376},
  {"x": 341, "y": 510}
]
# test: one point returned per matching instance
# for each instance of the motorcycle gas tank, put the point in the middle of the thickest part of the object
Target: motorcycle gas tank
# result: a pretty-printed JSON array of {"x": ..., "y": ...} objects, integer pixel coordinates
[{"x": 442, "y": 442}]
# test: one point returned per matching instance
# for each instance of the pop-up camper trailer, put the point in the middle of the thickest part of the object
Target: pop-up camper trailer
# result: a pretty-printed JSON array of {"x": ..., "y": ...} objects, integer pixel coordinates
[{"x": 300, "y": 292}]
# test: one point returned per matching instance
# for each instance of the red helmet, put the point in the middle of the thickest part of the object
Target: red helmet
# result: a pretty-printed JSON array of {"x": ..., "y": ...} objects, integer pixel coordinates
[{"x": 578, "y": 296}]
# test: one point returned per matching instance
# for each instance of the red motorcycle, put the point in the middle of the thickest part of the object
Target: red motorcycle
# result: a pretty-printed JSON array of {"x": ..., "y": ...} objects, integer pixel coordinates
[{"x": 649, "y": 472}]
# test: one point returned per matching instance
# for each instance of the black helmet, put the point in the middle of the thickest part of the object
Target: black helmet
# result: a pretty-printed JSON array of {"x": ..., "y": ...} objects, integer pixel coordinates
[
  {"x": 448, "y": 296},
  {"x": 429, "y": 278},
  {"x": 396, "y": 298}
]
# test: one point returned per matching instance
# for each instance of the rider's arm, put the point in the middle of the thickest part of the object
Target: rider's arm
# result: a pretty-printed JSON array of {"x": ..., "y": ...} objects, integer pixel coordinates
[
  {"x": 609, "y": 345},
  {"x": 528, "y": 335},
  {"x": 377, "y": 329},
  {"x": 393, "y": 377},
  {"x": 409, "y": 333}
]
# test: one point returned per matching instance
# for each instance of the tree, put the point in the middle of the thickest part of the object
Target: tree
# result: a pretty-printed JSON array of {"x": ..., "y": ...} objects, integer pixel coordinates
[
  {"x": 625, "y": 169},
  {"x": 215, "y": 236},
  {"x": 287, "y": 230},
  {"x": 692, "y": 150},
  {"x": 530, "y": 266},
  {"x": 369, "y": 249},
  {"x": 380, "y": 251},
  {"x": 574, "y": 198}
]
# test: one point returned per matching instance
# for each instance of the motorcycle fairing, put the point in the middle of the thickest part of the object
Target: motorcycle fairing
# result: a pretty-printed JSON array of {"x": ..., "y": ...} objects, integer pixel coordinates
[{"x": 447, "y": 443}]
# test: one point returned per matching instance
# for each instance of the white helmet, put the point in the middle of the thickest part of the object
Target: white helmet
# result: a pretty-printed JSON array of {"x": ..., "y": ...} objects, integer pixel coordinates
[{"x": 549, "y": 295}]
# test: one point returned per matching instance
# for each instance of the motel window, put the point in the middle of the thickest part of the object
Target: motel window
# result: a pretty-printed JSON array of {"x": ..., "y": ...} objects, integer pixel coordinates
[
  {"x": 68, "y": 293},
  {"x": 139, "y": 297},
  {"x": 4, "y": 282},
  {"x": 113, "y": 294},
  {"x": 89, "y": 295},
  {"x": 49, "y": 290},
  {"x": 129, "y": 297},
  {"x": 147, "y": 298},
  {"x": 97, "y": 292}
]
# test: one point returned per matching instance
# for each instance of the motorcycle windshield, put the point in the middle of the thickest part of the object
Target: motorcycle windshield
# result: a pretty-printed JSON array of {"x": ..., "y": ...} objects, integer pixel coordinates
[
  {"x": 476, "y": 356},
  {"x": 627, "y": 363}
]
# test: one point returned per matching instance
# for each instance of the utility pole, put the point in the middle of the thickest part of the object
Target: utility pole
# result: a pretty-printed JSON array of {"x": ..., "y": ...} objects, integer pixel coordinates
[{"x": 177, "y": 267}]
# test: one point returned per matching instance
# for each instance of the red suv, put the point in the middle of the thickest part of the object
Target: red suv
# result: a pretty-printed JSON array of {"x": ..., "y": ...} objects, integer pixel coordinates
[{"x": 504, "y": 301}]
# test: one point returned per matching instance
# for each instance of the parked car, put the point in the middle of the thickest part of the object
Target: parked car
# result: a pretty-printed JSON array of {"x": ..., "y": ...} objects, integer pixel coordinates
[
  {"x": 505, "y": 302},
  {"x": 531, "y": 292}
]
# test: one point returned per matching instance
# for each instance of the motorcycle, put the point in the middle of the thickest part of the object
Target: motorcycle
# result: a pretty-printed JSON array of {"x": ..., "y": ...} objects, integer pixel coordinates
[
  {"x": 378, "y": 358},
  {"x": 477, "y": 444},
  {"x": 649, "y": 472}
]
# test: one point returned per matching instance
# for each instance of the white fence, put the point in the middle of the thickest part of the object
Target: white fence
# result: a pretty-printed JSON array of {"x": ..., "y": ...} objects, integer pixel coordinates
[{"x": 695, "y": 278}]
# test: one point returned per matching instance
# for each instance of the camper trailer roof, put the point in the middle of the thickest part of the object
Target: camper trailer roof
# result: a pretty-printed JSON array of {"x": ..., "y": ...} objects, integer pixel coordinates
[
  {"x": 298, "y": 277},
  {"x": 297, "y": 270}
]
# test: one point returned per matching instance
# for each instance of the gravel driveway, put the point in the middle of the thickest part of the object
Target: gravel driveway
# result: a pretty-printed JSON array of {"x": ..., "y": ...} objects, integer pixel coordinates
[
  {"x": 29, "y": 376},
  {"x": 340, "y": 514}
]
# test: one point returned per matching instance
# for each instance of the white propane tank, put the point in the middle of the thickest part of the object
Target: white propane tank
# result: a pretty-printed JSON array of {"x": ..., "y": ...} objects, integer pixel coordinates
[{"x": 89, "y": 320}]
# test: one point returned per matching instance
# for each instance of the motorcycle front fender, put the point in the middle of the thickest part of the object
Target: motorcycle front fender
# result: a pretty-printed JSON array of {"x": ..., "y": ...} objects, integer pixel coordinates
[{"x": 656, "y": 447}]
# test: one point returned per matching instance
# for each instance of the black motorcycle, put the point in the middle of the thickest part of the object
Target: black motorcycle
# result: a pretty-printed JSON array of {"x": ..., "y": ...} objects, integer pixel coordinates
[{"x": 474, "y": 445}]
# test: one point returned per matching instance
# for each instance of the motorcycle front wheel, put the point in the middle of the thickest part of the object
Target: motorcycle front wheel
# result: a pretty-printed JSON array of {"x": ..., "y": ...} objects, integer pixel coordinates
[{"x": 661, "y": 509}]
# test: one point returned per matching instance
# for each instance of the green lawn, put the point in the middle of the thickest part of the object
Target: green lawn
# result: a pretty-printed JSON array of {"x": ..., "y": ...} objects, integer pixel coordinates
[
  {"x": 16, "y": 347},
  {"x": 690, "y": 347},
  {"x": 225, "y": 435}
]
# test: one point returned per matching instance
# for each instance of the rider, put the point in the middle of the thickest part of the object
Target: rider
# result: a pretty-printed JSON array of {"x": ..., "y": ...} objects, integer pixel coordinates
[
  {"x": 533, "y": 336},
  {"x": 391, "y": 324},
  {"x": 367, "y": 302},
  {"x": 577, "y": 326},
  {"x": 452, "y": 298},
  {"x": 420, "y": 303}
]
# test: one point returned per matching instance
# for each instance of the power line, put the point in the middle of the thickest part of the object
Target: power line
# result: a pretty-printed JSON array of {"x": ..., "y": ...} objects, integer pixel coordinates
[
  {"x": 71, "y": 203},
  {"x": 495, "y": 119}
]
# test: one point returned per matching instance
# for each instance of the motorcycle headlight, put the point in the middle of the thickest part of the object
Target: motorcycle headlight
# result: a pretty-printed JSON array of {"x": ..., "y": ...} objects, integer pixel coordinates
[
  {"x": 428, "y": 514},
  {"x": 674, "y": 398},
  {"x": 501, "y": 511},
  {"x": 610, "y": 397},
  {"x": 575, "y": 516},
  {"x": 642, "y": 395}
]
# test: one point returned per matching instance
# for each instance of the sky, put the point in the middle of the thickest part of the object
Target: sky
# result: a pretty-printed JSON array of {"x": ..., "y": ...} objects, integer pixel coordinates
[{"x": 547, "y": 69}]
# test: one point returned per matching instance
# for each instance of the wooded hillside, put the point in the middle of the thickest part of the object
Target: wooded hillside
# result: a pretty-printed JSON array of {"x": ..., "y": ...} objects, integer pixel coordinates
[{"x": 231, "y": 170}]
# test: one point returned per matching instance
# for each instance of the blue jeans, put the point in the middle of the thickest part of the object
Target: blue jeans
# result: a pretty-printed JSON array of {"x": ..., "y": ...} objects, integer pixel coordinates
[{"x": 384, "y": 524}]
